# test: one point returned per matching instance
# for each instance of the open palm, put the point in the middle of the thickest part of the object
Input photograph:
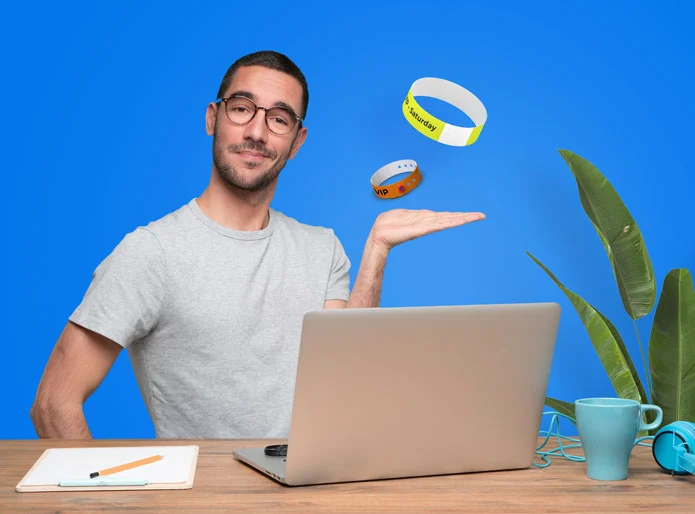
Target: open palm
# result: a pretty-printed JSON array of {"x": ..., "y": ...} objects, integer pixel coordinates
[{"x": 399, "y": 225}]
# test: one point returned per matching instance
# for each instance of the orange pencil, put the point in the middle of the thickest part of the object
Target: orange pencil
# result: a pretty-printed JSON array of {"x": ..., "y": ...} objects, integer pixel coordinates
[{"x": 123, "y": 467}]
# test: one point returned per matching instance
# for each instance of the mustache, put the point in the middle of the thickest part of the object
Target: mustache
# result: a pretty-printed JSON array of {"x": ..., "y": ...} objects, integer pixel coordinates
[{"x": 252, "y": 147}]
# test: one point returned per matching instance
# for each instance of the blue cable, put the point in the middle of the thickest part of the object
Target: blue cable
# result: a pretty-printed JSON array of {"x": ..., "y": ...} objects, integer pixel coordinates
[{"x": 545, "y": 455}]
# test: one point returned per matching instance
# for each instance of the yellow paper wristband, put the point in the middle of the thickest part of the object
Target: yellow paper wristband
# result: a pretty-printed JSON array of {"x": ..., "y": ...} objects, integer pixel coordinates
[
  {"x": 435, "y": 128},
  {"x": 403, "y": 186}
]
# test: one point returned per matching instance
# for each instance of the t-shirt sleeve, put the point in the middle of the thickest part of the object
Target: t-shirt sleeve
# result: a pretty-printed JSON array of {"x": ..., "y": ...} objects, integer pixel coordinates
[
  {"x": 125, "y": 298},
  {"x": 339, "y": 279}
]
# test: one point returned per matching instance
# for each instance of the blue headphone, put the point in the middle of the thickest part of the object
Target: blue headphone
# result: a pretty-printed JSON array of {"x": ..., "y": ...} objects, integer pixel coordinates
[{"x": 674, "y": 448}]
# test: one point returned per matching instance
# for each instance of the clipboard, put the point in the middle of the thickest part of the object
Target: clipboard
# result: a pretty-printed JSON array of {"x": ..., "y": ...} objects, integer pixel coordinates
[{"x": 176, "y": 470}]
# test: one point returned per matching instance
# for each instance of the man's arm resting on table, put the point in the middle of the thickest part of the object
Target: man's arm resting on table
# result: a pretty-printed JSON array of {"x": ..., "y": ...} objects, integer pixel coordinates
[{"x": 78, "y": 364}]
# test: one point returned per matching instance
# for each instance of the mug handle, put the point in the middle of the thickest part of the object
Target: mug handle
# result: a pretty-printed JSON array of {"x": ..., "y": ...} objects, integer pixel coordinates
[{"x": 657, "y": 421}]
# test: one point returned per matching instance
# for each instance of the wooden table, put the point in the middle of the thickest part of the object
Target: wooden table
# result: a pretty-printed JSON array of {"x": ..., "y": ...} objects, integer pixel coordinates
[{"x": 222, "y": 484}]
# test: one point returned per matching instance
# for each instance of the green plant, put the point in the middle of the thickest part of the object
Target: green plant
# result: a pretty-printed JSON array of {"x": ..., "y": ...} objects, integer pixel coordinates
[{"x": 671, "y": 372}]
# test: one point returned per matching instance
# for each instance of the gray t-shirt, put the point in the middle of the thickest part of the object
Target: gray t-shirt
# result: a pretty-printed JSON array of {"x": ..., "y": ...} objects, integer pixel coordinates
[{"x": 212, "y": 317}]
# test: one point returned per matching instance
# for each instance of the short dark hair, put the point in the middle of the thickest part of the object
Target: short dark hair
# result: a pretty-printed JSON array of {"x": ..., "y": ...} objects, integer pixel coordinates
[{"x": 274, "y": 61}]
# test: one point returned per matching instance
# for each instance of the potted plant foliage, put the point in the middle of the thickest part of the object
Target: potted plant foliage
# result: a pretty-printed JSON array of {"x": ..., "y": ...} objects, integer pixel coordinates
[{"x": 671, "y": 348}]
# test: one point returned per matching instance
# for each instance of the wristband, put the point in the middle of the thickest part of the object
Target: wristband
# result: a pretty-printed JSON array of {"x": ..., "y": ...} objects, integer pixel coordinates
[
  {"x": 453, "y": 94},
  {"x": 403, "y": 186}
]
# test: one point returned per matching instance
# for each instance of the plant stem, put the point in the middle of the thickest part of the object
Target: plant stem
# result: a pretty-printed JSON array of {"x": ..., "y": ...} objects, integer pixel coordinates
[{"x": 644, "y": 361}]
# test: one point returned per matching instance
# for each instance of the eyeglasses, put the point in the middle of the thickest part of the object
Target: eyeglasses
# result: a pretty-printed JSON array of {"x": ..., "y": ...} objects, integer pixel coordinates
[{"x": 241, "y": 110}]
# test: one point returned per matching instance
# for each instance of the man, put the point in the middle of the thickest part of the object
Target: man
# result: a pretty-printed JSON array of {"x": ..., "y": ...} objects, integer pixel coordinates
[{"x": 209, "y": 299}]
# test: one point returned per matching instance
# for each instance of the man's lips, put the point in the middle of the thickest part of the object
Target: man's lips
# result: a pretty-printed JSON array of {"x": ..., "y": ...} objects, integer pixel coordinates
[{"x": 252, "y": 156}]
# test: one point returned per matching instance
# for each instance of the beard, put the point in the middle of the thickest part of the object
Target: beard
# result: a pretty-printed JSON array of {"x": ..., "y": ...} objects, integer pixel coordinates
[{"x": 231, "y": 176}]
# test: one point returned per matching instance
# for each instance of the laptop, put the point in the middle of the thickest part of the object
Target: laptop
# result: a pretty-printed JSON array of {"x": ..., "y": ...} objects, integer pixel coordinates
[{"x": 402, "y": 392}]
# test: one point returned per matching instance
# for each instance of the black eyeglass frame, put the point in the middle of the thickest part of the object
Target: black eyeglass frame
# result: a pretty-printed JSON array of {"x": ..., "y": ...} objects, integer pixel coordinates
[{"x": 257, "y": 107}]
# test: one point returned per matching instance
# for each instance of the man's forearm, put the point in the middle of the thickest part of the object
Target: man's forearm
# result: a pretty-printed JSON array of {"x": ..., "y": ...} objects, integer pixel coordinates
[
  {"x": 64, "y": 422},
  {"x": 367, "y": 289}
]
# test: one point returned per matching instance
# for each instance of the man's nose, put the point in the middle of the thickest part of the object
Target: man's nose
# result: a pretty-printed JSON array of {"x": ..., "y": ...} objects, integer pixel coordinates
[{"x": 256, "y": 129}]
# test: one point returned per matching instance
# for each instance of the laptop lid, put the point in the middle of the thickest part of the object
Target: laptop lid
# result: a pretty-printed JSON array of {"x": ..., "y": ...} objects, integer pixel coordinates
[{"x": 415, "y": 391}]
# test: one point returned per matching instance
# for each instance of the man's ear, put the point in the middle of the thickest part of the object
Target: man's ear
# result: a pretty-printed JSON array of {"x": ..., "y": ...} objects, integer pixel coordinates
[
  {"x": 298, "y": 142},
  {"x": 210, "y": 117}
]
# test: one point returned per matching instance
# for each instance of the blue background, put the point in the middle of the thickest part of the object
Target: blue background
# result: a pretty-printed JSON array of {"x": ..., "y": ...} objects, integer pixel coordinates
[{"x": 103, "y": 130}]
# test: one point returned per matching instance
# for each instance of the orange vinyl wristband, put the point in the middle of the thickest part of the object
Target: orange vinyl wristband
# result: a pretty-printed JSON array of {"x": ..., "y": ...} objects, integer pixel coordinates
[{"x": 403, "y": 186}]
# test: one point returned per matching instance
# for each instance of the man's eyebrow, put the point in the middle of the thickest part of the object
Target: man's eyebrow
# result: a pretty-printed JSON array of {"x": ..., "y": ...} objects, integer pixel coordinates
[
  {"x": 247, "y": 94},
  {"x": 285, "y": 106},
  {"x": 251, "y": 96}
]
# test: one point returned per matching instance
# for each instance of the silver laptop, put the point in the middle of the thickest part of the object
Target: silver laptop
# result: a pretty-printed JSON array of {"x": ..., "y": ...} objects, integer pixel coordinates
[{"x": 415, "y": 391}]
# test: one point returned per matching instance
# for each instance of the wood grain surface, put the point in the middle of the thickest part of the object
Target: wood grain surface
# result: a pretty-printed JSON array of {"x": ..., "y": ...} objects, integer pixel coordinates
[{"x": 222, "y": 484}]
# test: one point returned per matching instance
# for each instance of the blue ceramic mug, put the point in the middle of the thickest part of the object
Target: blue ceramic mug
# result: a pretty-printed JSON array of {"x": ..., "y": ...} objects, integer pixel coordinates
[{"x": 607, "y": 429}]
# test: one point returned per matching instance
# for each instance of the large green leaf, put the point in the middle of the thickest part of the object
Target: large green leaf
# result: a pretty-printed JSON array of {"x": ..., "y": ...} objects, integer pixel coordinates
[
  {"x": 560, "y": 406},
  {"x": 672, "y": 348},
  {"x": 608, "y": 344},
  {"x": 620, "y": 235},
  {"x": 624, "y": 351}
]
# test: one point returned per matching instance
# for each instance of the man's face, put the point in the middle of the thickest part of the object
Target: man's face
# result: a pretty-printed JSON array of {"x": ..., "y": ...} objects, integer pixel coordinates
[{"x": 250, "y": 157}]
